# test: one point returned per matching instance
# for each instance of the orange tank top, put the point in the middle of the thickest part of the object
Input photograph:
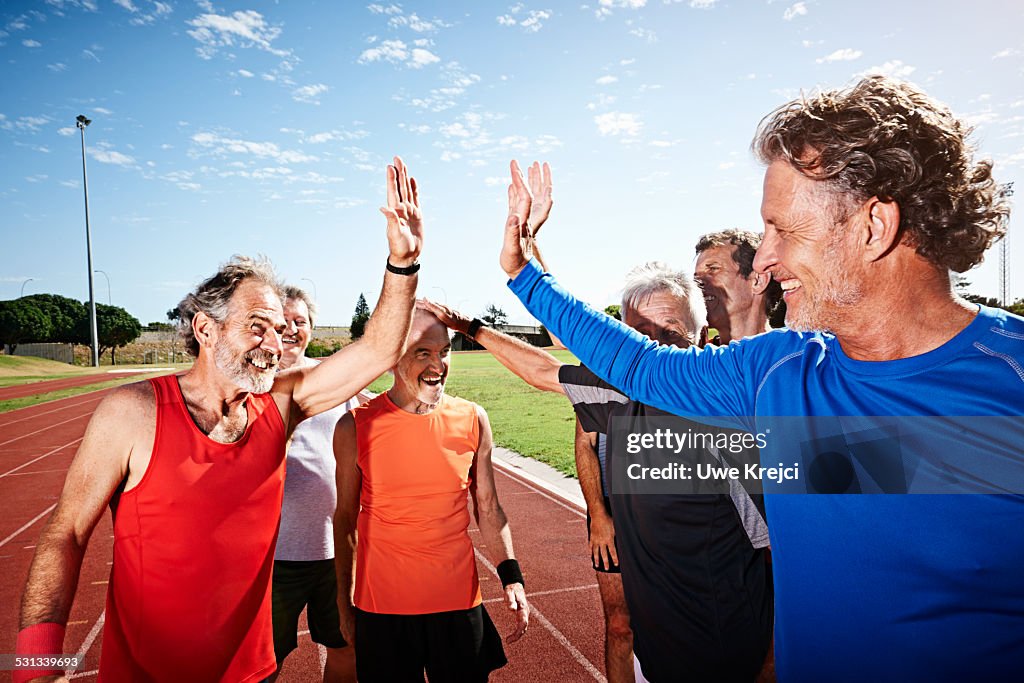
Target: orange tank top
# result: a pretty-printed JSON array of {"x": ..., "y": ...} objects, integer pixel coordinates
[
  {"x": 189, "y": 592},
  {"x": 414, "y": 554}
]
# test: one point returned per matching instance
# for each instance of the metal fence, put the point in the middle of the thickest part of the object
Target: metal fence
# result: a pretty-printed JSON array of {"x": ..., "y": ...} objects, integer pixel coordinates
[{"x": 63, "y": 353}]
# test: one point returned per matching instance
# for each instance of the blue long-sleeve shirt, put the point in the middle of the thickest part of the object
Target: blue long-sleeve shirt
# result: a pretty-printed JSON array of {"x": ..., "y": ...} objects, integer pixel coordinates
[{"x": 868, "y": 587}]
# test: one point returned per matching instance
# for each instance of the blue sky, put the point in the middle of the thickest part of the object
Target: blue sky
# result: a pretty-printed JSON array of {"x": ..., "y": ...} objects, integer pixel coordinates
[{"x": 253, "y": 127}]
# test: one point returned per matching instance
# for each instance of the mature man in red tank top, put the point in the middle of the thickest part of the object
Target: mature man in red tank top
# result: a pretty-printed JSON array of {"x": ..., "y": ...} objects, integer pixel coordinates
[
  {"x": 405, "y": 462},
  {"x": 193, "y": 468}
]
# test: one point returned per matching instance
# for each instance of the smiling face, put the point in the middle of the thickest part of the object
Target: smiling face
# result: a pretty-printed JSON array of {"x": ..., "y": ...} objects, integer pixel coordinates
[
  {"x": 804, "y": 249},
  {"x": 422, "y": 371},
  {"x": 727, "y": 292},
  {"x": 663, "y": 318},
  {"x": 248, "y": 345},
  {"x": 297, "y": 333}
]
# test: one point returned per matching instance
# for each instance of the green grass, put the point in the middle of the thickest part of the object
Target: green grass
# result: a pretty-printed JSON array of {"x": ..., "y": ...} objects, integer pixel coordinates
[
  {"x": 26, "y": 401},
  {"x": 537, "y": 424}
]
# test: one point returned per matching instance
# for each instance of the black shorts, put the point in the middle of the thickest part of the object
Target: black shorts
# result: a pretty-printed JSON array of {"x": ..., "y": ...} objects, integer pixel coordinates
[
  {"x": 614, "y": 568},
  {"x": 452, "y": 647},
  {"x": 296, "y": 586}
]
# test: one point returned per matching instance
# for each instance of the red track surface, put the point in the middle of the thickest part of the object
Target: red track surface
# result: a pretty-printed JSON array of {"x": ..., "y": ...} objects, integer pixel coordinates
[
  {"x": 564, "y": 642},
  {"x": 45, "y": 386}
]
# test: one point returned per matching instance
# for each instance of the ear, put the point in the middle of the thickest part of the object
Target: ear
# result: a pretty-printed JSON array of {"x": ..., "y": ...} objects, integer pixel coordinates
[
  {"x": 882, "y": 228},
  {"x": 205, "y": 329},
  {"x": 759, "y": 282}
]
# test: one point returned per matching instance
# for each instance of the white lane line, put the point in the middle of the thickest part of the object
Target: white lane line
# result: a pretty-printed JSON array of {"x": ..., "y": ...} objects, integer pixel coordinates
[
  {"x": 558, "y": 635},
  {"x": 323, "y": 655},
  {"x": 529, "y": 484},
  {"x": 58, "y": 448},
  {"x": 55, "y": 424},
  {"x": 551, "y": 592},
  {"x": 95, "y": 399},
  {"x": 28, "y": 524},
  {"x": 87, "y": 644}
]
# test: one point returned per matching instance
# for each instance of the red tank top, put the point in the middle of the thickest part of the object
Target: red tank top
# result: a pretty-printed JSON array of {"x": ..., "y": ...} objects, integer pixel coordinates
[
  {"x": 414, "y": 554},
  {"x": 189, "y": 592}
]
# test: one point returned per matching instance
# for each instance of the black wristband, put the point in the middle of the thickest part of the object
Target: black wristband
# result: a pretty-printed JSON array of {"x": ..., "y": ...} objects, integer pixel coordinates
[
  {"x": 509, "y": 572},
  {"x": 408, "y": 270},
  {"x": 474, "y": 327}
]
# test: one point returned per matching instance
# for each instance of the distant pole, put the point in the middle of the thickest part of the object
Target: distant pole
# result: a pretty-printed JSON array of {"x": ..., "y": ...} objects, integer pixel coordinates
[
  {"x": 108, "y": 283},
  {"x": 28, "y": 280},
  {"x": 81, "y": 122},
  {"x": 1006, "y": 190},
  {"x": 315, "y": 297}
]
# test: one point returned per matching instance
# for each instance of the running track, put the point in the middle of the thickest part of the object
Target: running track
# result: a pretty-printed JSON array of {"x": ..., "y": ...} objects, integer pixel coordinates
[
  {"x": 45, "y": 386},
  {"x": 564, "y": 642}
]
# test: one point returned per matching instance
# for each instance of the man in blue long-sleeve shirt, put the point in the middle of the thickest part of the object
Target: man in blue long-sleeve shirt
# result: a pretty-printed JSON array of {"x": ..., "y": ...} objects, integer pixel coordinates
[{"x": 871, "y": 197}]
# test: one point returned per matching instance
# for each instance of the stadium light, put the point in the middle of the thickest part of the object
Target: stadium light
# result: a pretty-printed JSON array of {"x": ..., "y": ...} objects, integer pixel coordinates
[
  {"x": 81, "y": 122},
  {"x": 27, "y": 280}
]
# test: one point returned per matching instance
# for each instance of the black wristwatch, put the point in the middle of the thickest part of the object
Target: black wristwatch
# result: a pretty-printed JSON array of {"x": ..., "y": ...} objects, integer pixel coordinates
[{"x": 474, "y": 327}]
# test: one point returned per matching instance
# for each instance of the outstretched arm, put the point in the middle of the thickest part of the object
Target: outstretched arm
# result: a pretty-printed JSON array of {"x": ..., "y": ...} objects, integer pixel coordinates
[
  {"x": 349, "y": 481},
  {"x": 720, "y": 382},
  {"x": 535, "y": 366},
  {"x": 494, "y": 525},
  {"x": 341, "y": 376}
]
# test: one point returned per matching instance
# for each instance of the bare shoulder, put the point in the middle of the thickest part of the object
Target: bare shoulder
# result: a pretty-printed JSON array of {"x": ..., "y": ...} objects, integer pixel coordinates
[{"x": 128, "y": 404}]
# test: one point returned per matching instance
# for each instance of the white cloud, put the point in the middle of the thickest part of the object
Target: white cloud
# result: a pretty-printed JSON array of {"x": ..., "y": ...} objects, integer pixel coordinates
[
  {"x": 332, "y": 135},
  {"x": 532, "y": 22},
  {"x": 421, "y": 58},
  {"x": 91, "y": 55},
  {"x": 66, "y": 131},
  {"x": 102, "y": 110},
  {"x": 31, "y": 43},
  {"x": 603, "y": 101},
  {"x": 380, "y": 9},
  {"x": 127, "y": 4},
  {"x": 606, "y": 80},
  {"x": 895, "y": 68},
  {"x": 141, "y": 18},
  {"x": 397, "y": 52},
  {"x": 220, "y": 145},
  {"x": 415, "y": 23},
  {"x": 57, "y": 67},
  {"x": 725, "y": 165},
  {"x": 1008, "y": 52},
  {"x": 309, "y": 93},
  {"x": 703, "y": 4},
  {"x": 103, "y": 154},
  {"x": 494, "y": 181},
  {"x": 618, "y": 123},
  {"x": 797, "y": 10},
  {"x": 244, "y": 73},
  {"x": 241, "y": 29},
  {"x": 644, "y": 34},
  {"x": 31, "y": 123},
  {"x": 844, "y": 55},
  {"x": 627, "y": 62}
]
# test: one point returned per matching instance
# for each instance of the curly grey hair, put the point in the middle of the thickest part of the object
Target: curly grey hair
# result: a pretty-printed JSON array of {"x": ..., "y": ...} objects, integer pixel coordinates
[{"x": 213, "y": 296}]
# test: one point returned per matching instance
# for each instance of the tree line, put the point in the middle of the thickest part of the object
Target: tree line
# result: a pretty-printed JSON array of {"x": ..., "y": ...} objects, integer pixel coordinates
[{"x": 51, "y": 318}]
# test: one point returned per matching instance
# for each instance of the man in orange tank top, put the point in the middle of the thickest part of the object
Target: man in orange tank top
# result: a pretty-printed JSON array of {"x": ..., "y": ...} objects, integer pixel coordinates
[
  {"x": 193, "y": 467},
  {"x": 407, "y": 459}
]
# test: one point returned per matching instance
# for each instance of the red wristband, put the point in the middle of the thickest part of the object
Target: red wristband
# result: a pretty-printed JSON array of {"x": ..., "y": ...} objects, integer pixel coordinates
[{"x": 46, "y": 638}]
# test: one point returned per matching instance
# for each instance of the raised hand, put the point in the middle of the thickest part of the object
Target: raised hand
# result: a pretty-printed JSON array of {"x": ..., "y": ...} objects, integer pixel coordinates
[
  {"x": 405, "y": 221},
  {"x": 452, "y": 319},
  {"x": 517, "y": 249},
  {"x": 540, "y": 187}
]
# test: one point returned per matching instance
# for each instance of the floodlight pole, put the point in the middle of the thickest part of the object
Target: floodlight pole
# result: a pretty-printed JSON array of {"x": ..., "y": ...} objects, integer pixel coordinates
[
  {"x": 104, "y": 274},
  {"x": 81, "y": 122},
  {"x": 315, "y": 297},
  {"x": 27, "y": 280}
]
